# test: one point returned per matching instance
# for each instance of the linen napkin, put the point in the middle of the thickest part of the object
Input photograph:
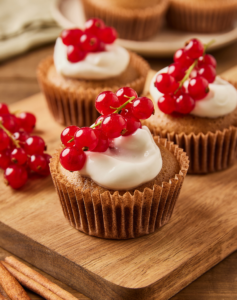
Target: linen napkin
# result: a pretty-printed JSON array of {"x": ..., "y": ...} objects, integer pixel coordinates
[{"x": 25, "y": 24}]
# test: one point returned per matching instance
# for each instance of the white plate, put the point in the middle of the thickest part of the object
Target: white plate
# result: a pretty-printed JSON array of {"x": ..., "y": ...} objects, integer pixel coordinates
[{"x": 69, "y": 13}]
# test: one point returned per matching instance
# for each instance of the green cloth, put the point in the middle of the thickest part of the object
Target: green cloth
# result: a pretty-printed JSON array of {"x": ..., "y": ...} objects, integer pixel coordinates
[{"x": 25, "y": 24}]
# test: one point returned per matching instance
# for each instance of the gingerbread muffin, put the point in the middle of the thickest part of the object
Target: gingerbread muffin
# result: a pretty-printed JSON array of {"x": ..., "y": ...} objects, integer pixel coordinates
[
  {"x": 126, "y": 184},
  {"x": 204, "y": 16},
  {"x": 134, "y": 20},
  {"x": 196, "y": 110},
  {"x": 86, "y": 63}
]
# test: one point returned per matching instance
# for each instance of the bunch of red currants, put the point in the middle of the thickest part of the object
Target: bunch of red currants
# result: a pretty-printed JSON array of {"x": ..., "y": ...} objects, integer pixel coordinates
[
  {"x": 92, "y": 39},
  {"x": 187, "y": 79},
  {"x": 120, "y": 116},
  {"x": 20, "y": 153}
]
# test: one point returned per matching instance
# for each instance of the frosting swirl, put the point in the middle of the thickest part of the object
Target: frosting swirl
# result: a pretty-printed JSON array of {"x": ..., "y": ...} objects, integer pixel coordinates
[
  {"x": 221, "y": 99},
  {"x": 132, "y": 161},
  {"x": 99, "y": 65}
]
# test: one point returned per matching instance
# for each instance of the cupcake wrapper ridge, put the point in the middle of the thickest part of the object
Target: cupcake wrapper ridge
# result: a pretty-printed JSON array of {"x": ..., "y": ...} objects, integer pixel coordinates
[
  {"x": 204, "y": 17},
  {"x": 208, "y": 152},
  {"x": 131, "y": 24},
  {"x": 115, "y": 216},
  {"x": 77, "y": 107}
]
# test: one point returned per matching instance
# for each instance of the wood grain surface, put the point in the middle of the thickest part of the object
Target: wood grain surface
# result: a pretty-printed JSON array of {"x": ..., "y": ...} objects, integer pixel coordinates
[
  {"x": 18, "y": 80},
  {"x": 202, "y": 231}
]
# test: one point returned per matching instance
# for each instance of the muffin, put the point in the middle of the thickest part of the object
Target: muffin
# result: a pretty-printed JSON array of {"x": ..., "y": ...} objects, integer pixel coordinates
[
  {"x": 204, "y": 126},
  {"x": 204, "y": 16},
  {"x": 126, "y": 183},
  {"x": 134, "y": 20},
  {"x": 74, "y": 76}
]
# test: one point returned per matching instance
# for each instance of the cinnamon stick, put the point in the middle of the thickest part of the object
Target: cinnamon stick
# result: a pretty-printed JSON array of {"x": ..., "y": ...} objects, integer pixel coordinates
[
  {"x": 3, "y": 294},
  {"x": 36, "y": 280},
  {"x": 11, "y": 286}
]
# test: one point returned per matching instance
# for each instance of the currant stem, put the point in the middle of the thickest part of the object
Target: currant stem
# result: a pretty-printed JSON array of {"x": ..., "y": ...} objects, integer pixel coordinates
[
  {"x": 117, "y": 110},
  {"x": 188, "y": 72},
  {"x": 15, "y": 142}
]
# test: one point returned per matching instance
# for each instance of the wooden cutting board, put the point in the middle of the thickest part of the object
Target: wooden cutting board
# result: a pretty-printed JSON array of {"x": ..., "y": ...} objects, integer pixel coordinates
[{"x": 202, "y": 231}]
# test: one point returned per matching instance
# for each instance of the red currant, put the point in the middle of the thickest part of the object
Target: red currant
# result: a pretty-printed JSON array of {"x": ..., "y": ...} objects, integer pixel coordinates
[
  {"x": 106, "y": 102},
  {"x": 166, "y": 84},
  {"x": 21, "y": 136},
  {"x": 72, "y": 159},
  {"x": 108, "y": 35},
  {"x": 181, "y": 57},
  {"x": 198, "y": 88},
  {"x": 16, "y": 176},
  {"x": 123, "y": 92},
  {"x": 46, "y": 170},
  {"x": 37, "y": 162},
  {"x": 4, "y": 140},
  {"x": 86, "y": 138},
  {"x": 88, "y": 42},
  {"x": 93, "y": 26},
  {"x": 167, "y": 104},
  {"x": 177, "y": 71},
  {"x": 9, "y": 122},
  {"x": 67, "y": 134},
  {"x": 75, "y": 54},
  {"x": 101, "y": 47},
  {"x": 98, "y": 120},
  {"x": 142, "y": 108},
  {"x": 4, "y": 109},
  {"x": 127, "y": 111},
  {"x": 184, "y": 104},
  {"x": 5, "y": 160},
  {"x": 208, "y": 72},
  {"x": 194, "y": 48},
  {"x": 114, "y": 125},
  {"x": 103, "y": 142},
  {"x": 26, "y": 121},
  {"x": 207, "y": 59},
  {"x": 18, "y": 156},
  {"x": 71, "y": 36},
  {"x": 132, "y": 125},
  {"x": 34, "y": 145}
]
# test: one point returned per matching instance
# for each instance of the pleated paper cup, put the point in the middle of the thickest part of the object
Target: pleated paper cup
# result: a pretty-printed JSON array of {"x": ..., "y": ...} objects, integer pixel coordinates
[
  {"x": 76, "y": 106},
  {"x": 208, "y": 152},
  {"x": 131, "y": 24},
  {"x": 116, "y": 215},
  {"x": 202, "y": 16}
]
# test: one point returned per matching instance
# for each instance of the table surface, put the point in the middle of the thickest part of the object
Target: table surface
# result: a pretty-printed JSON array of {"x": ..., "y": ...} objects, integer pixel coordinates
[{"x": 18, "y": 81}]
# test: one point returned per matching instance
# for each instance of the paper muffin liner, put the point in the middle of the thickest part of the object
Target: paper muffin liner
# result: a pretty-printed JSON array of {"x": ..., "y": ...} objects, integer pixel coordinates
[
  {"x": 70, "y": 106},
  {"x": 208, "y": 152},
  {"x": 203, "y": 17},
  {"x": 131, "y": 24},
  {"x": 115, "y": 216}
]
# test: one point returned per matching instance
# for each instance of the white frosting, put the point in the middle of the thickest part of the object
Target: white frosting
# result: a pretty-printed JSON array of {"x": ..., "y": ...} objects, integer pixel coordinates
[
  {"x": 99, "y": 65},
  {"x": 220, "y": 101},
  {"x": 133, "y": 160}
]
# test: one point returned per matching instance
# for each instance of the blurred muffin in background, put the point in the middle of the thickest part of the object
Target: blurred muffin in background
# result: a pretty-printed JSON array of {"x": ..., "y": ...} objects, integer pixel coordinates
[
  {"x": 133, "y": 19},
  {"x": 204, "y": 16}
]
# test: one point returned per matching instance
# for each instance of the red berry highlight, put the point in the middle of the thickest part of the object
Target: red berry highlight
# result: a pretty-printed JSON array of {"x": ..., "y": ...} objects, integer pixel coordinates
[
  {"x": 37, "y": 163},
  {"x": 89, "y": 42},
  {"x": 86, "y": 138},
  {"x": 177, "y": 71},
  {"x": 34, "y": 145},
  {"x": 207, "y": 59},
  {"x": 67, "y": 134},
  {"x": 207, "y": 72},
  {"x": 181, "y": 57},
  {"x": 124, "y": 94},
  {"x": 71, "y": 36},
  {"x": 142, "y": 108},
  {"x": 113, "y": 126},
  {"x": 94, "y": 25},
  {"x": 72, "y": 159},
  {"x": 167, "y": 104},
  {"x": 16, "y": 176},
  {"x": 9, "y": 122},
  {"x": 194, "y": 48},
  {"x": 198, "y": 88},
  {"x": 106, "y": 102},
  {"x": 26, "y": 121},
  {"x": 184, "y": 104},
  {"x": 18, "y": 156},
  {"x": 75, "y": 54},
  {"x": 166, "y": 84}
]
